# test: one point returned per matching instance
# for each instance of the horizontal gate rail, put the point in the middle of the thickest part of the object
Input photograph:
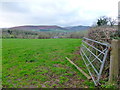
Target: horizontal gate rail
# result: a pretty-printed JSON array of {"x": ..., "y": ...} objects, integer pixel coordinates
[
  {"x": 98, "y": 56},
  {"x": 91, "y": 59},
  {"x": 94, "y": 47},
  {"x": 92, "y": 53},
  {"x": 96, "y": 41},
  {"x": 90, "y": 62},
  {"x": 89, "y": 70}
]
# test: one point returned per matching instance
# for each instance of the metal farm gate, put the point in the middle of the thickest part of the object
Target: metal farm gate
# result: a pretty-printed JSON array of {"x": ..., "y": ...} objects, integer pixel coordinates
[{"x": 94, "y": 54}]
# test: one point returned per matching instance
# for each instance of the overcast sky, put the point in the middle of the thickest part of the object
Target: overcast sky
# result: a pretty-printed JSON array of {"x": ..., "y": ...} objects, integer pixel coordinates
[{"x": 55, "y": 12}]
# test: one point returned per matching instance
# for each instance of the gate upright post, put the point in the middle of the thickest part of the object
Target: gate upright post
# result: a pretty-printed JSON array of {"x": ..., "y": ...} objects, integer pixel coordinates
[{"x": 114, "y": 74}]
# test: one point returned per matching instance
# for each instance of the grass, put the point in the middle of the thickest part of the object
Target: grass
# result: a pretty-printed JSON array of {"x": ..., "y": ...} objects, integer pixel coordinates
[
  {"x": 36, "y": 63},
  {"x": 0, "y": 63}
]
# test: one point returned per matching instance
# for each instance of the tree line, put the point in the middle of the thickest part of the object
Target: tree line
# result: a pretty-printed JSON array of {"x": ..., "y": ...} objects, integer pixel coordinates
[{"x": 25, "y": 34}]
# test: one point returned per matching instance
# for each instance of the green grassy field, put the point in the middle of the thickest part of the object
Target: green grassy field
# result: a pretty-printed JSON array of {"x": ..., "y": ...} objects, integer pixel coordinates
[{"x": 33, "y": 63}]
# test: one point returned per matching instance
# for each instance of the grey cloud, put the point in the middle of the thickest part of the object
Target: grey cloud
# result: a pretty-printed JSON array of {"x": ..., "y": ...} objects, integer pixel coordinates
[
  {"x": 48, "y": 13},
  {"x": 15, "y": 7},
  {"x": 59, "y": 18},
  {"x": 52, "y": 12}
]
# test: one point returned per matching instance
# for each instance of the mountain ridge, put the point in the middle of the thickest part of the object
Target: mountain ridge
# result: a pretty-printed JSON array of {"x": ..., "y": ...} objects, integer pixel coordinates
[{"x": 50, "y": 28}]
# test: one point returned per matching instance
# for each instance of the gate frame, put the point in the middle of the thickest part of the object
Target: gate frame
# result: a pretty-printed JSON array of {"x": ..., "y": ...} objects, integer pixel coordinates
[{"x": 104, "y": 52}]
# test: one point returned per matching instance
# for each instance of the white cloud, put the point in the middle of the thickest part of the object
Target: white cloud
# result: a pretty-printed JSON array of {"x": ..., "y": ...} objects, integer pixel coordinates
[{"x": 55, "y": 12}]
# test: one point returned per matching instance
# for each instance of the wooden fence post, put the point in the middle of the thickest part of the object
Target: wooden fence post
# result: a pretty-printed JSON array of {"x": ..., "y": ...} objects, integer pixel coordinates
[{"x": 114, "y": 75}]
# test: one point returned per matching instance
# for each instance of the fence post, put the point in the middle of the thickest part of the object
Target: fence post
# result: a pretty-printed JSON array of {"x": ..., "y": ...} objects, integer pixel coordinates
[{"x": 114, "y": 77}]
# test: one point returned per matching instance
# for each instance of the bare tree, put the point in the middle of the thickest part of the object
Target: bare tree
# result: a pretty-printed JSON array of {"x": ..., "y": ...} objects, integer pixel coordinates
[{"x": 112, "y": 21}]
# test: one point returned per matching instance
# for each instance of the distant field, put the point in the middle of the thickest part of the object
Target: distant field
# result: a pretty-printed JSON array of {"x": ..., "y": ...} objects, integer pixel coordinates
[{"x": 33, "y": 63}]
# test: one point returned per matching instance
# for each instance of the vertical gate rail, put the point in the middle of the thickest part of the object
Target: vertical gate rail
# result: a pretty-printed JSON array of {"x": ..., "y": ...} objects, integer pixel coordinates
[{"x": 92, "y": 59}]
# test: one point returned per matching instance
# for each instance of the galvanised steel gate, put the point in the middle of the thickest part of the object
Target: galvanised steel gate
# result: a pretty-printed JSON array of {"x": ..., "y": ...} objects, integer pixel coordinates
[{"x": 94, "y": 54}]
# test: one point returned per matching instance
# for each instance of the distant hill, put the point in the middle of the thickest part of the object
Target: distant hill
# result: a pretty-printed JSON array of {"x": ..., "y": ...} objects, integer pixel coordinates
[
  {"x": 52, "y": 28},
  {"x": 37, "y": 28},
  {"x": 78, "y": 28}
]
